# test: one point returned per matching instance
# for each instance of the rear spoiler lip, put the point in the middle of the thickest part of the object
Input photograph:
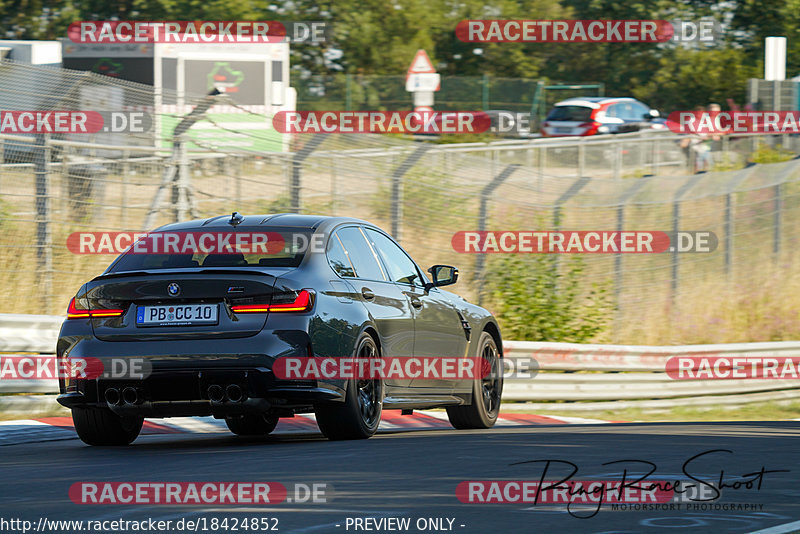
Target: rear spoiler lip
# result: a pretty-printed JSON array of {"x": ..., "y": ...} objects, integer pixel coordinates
[{"x": 207, "y": 270}]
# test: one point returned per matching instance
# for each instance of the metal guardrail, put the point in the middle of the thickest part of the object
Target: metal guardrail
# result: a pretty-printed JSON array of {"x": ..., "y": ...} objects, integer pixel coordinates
[
  {"x": 597, "y": 376},
  {"x": 570, "y": 376}
]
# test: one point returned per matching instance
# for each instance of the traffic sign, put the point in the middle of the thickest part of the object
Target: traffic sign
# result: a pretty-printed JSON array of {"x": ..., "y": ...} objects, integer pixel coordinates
[
  {"x": 428, "y": 81},
  {"x": 421, "y": 64}
]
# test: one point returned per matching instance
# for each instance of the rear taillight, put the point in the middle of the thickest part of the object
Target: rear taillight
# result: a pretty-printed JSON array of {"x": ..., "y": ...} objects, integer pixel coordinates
[
  {"x": 281, "y": 302},
  {"x": 592, "y": 127},
  {"x": 78, "y": 310}
]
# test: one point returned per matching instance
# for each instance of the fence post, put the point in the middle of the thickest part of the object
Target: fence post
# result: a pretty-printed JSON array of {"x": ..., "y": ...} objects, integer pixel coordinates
[
  {"x": 43, "y": 232},
  {"x": 334, "y": 192},
  {"x": 776, "y": 221},
  {"x": 237, "y": 175},
  {"x": 485, "y": 92},
  {"x": 676, "y": 214},
  {"x": 542, "y": 161},
  {"x": 123, "y": 212},
  {"x": 297, "y": 164},
  {"x": 483, "y": 216},
  {"x": 730, "y": 189},
  {"x": 655, "y": 156},
  {"x": 348, "y": 92},
  {"x": 397, "y": 189},
  {"x": 619, "y": 280},
  {"x": 180, "y": 189},
  {"x": 728, "y": 229},
  {"x": 617, "y": 161}
]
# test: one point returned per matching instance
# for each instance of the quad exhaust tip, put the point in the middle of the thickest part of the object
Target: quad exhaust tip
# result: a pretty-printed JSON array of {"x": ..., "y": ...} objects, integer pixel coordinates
[
  {"x": 130, "y": 396},
  {"x": 112, "y": 396},
  {"x": 216, "y": 393},
  {"x": 234, "y": 393},
  {"x": 231, "y": 393}
]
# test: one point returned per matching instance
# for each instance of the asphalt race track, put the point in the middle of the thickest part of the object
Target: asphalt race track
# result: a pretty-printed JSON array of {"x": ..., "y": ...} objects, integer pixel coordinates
[{"x": 413, "y": 474}]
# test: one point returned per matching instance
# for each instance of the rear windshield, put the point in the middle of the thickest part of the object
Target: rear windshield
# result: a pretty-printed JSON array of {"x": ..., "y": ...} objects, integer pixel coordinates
[
  {"x": 227, "y": 248},
  {"x": 570, "y": 113}
]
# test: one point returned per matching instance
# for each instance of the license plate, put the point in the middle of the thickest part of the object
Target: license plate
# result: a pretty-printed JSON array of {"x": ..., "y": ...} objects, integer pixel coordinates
[
  {"x": 177, "y": 315},
  {"x": 563, "y": 130}
]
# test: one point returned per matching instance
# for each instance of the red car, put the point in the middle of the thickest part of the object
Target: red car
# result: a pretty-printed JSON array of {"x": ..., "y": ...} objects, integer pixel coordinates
[{"x": 599, "y": 115}]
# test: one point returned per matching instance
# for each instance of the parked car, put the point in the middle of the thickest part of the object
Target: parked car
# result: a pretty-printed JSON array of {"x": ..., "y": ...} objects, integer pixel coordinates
[
  {"x": 211, "y": 326},
  {"x": 599, "y": 115}
]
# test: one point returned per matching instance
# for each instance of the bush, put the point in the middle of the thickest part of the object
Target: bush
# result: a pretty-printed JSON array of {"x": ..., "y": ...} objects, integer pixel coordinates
[
  {"x": 766, "y": 154},
  {"x": 536, "y": 299}
]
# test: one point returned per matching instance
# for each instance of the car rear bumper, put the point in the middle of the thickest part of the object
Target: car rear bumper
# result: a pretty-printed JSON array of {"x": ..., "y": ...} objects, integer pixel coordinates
[
  {"x": 178, "y": 373},
  {"x": 189, "y": 393}
]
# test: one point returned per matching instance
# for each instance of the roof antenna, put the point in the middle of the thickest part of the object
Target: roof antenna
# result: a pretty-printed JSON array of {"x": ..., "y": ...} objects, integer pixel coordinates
[{"x": 236, "y": 219}]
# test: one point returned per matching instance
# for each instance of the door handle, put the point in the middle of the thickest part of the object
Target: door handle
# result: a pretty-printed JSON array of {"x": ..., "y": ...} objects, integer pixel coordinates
[
  {"x": 367, "y": 293},
  {"x": 416, "y": 303}
]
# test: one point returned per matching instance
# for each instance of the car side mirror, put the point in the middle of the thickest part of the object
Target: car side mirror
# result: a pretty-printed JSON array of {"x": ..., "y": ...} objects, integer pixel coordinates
[
  {"x": 652, "y": 114},
  {"x": 442, "y": 275}
]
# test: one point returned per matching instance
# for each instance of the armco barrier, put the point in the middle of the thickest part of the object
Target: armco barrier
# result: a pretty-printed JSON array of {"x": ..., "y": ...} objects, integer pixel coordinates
[
  {"x": 571, "y": 376},
  {"x": 603, "y": 377}
]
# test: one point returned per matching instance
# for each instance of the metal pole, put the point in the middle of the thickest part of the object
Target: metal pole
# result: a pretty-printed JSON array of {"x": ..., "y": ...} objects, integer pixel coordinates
[
  {"x": 655, "y": 156},
  {"x": 728, "y": 227},
  {"x": 485, "y": 92},
  {"x": 777, "y": 207},
  {"x": 483, "y": 216},
  {"x": 297, "y": 164},
  {"x": 542, "y": 164},
  {"x": 294, "y": 187},
  {"x": 123, "y": 210},
  {"x": 334, "y": 192},
  {"x": 618, "y": 279},
  {"x": 43, "y": 235},
  {"x": 676, "y": 213},
  {"x": 237, "y": 173},
  {"x": 348, "y": 92},
  {"x": 182, "y": 183},
  {"x": 617, "y": 161},
  {"x": 397, "y": 189}
]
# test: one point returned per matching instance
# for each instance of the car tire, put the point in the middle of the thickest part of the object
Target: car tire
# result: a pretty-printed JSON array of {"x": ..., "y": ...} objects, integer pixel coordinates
[
  {"x": 359, "y": 415},
  {"x": 252, "y": 424},
  {"x": 487, "y": 392},
  {"x": 101, "y": 426}
]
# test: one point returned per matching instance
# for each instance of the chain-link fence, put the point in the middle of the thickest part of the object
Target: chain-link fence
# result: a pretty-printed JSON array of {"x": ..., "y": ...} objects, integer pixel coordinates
[
  {"x": 424, "y": 193},
  {"x": 456, "y": 93}
]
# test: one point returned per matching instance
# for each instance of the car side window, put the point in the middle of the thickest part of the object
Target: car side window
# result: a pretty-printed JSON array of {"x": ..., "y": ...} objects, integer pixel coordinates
[
  {"x": 628, "y": 112},
  {"x": 613, "y": 110},
  {"x": 338, "y": 260},
  {"x": 361, "y": 256},
  {"x": 640, "y": 110},
  {"x": 401, "y": 268}
]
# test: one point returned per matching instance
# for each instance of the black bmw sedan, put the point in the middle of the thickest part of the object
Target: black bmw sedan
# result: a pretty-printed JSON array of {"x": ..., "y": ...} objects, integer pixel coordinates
[{"x": 204, "y": 309}]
